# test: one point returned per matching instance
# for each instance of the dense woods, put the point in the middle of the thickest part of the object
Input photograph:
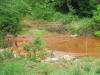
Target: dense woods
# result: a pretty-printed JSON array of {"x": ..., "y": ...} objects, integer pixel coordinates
[{"x": 12, "y": 11}]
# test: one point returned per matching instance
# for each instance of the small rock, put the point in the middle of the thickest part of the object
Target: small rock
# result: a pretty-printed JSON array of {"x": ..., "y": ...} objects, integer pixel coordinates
[
  {"x": 74, "y": 35},
  {"x": 68, "y": 57}
]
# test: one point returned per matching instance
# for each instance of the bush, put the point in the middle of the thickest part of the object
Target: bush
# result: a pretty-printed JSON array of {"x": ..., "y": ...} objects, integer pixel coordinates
[
  {"x": 9, "y": 21},
  {"x": 87, "y": 67},
  {"x": 39, "y": 44},
  {"x": 36, "y": 51},
  {"x": 96, "y": 19},
  {"x": 22, "y": 7},
  {"x": 86, "y": 7},
  {"x": 26, "y": 47},
  {"x": 97, "y": 34},
  {"x": 85, "y": 27},
  {"x": 42, "y": 11},
  {"x": 98, "y": 70},
  {"x": 80, "y": 27}
]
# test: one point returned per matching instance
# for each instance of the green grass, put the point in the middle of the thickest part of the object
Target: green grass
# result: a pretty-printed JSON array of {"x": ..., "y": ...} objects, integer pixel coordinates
[
  {"x": 14, "y": 68},
  {"x": 5, "y": 55},
  {"x": 28, "y": 67},
  {"x": 24, "y": 66},
  {"x": 32, "y": 31}
]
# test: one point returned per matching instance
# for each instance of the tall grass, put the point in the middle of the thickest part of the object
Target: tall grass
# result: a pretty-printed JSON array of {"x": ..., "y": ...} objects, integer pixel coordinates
[
  {"x": 5, "y": 55},
  {"x": 14, "y": 68}
]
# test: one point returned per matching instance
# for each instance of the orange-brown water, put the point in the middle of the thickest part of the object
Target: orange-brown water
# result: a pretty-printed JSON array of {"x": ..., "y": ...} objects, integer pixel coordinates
[{"x": 89, "y": 46}]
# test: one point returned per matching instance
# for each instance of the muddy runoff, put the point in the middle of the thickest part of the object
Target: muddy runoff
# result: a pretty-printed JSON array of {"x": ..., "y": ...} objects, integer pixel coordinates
[{"x": 69, "y": 44}]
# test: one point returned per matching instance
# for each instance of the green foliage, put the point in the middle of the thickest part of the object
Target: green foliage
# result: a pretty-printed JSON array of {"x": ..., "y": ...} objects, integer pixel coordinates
[
  {"x": 87, "y": 67},
  {"x": 85, "y": 27},
  {"x": 22, "y": 7},
  {"x": 88, "y": 59},
  {"x": 26, "y": 47},
  {"x": 97, "y": 34},
  {"x": 4, "y": 55},
  {"x": 98, "y": 62},
  {"x": 37, "y": 50},
  {"x": 42, "y": 11},
  {"x": 39, "y": 44},
  {"x": 70, "y": 29},
  {"x": 98, "y": 70},
  {"x": 86, "y": 7},
  {"x": 2, "y": 43},
  {"x": 42, "y": 54},
  {"x": 77, "y": 71},
  {"x": 45, "y": 69},
  {"x": 96, "y": 19},
  {"x": 81, "y": 27},
  {"x": 65, "y": 18},
  {"x": 9, "y": 21},
  {"x": 14, "y": 68}
]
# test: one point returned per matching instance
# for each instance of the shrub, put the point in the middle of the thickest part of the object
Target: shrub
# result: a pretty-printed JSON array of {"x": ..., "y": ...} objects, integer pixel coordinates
[
  {"x": 96, "y": 19},
  {"x": 64, "y": 18},
  {"x": 85, "y": 27},
  {"x": 44, "y": 11},
  {"x": 80, "y": 27},
  {"x": 97, "y": 34},
  {"x": 70, "y": 29},
  {"x": 87, "y": 67},
  {"x": 86, "y": 7},
  {"x": 26, "y": 47},
  {"x": 36, "y": 51},
  {"x": 98, "y": 70},
  {"x": 39, "y": 44},
  {"x": 9, "y": 21},
  {"x": 22, "y": 7}
]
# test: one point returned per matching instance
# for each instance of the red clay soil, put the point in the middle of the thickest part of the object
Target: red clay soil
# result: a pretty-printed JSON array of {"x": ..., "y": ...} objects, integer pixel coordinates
[{"x": 89, "y": 46}]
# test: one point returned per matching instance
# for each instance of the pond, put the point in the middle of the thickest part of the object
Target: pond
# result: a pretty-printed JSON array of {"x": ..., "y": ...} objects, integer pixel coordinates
[{"x": 88, "y": 46}]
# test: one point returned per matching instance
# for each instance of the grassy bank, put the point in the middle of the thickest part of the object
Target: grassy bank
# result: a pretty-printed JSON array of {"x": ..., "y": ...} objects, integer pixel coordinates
[{"x": 81, "y": 66}]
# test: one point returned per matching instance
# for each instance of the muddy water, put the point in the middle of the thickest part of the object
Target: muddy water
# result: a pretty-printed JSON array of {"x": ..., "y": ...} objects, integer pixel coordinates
[{"x": 88, "y": 46}]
